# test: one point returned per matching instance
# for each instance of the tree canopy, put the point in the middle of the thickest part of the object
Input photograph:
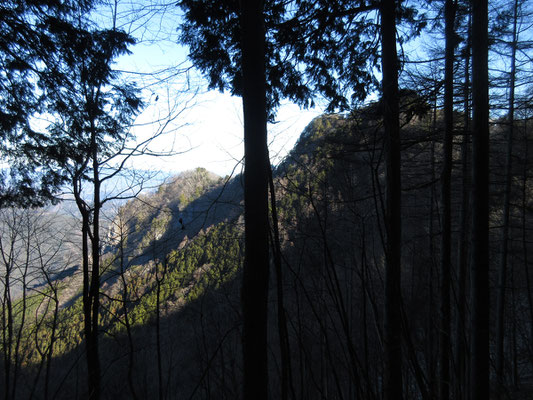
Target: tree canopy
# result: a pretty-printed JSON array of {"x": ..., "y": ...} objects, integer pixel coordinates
[
  {"x": 314, "y": 48},
  {"x": 56, "y": 78}
]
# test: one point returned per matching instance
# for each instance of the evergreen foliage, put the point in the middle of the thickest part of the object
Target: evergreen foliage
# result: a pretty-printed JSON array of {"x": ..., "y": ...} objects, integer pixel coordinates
[{"x": 29, "y": 53}]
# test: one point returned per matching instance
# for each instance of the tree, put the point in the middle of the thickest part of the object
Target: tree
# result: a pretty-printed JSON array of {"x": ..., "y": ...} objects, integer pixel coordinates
[
  {"x": 32, "y": 254},
  {"x": 479, "y": 367},
  {"x": 241, "y": 31},
  {"x": 256, "y": 167},
  {"x": 299, "y": 35},
  {"x": 446, "y": 176},
  {"x": 392, "y": 326},
  {"x": 28, "y": 51},
  {"x": 89, "y": 140},
  {"x": 502, "y": 278}
]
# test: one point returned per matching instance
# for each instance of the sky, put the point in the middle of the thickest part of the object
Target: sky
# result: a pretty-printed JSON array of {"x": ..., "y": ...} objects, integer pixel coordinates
[{"x": 208, "y": 130}]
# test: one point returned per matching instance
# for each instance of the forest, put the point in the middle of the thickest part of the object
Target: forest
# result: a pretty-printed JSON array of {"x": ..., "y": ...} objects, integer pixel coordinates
[{"x": 387, "y": 256}]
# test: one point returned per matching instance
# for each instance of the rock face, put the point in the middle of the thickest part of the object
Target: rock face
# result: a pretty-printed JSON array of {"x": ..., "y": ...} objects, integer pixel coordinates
[{"x": 180, "y": 209}]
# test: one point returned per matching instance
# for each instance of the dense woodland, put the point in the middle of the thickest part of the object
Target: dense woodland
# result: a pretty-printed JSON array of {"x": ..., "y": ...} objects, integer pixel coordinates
[{"x": 388, "y": 256}]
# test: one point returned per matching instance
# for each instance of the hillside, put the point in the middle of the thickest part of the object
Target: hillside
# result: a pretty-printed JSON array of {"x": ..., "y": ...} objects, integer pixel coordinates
[{"x": 170, "y": 311}]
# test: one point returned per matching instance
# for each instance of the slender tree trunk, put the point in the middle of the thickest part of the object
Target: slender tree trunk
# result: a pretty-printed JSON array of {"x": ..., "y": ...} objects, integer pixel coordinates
[
  {"x": 125, "y": 302},
  {"x": 479, "y": 366},
  {"x": 446, "y": 186},
  {"x": 94, "y": 289},
  {"x": 87, "y": 300},
  {"x": 7, "y": 325},
  {"x": 255, "y": 279},
  {"x": 432, "y": 267},
  {"x": 91, "y": 276},
  {"x": 502, "y": 279},
  {"x": 159, "y": 281},
  {"x": 283, "y": 332},
  {"x": 525, "y": 243},
  {"x": 16, "y": 356},
  {"x": 50, "y": 351},
  {"x": 460, "y": 332},
  {"x": 392, "y": 323}
]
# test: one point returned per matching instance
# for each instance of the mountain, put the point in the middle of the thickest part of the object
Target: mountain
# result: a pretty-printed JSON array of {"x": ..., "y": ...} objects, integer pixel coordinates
[{"x": 170, "y": 304}]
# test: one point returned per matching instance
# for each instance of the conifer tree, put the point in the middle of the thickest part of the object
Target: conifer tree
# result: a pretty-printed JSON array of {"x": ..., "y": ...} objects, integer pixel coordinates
[
  {"x": 480, "y": 362},
  {"x": 28, "y": 51}
]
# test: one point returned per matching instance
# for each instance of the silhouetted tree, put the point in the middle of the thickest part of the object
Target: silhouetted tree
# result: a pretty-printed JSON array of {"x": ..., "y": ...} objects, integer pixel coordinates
[
  {"x": 446, "y": 186},
  {"x": 92, "y": 131},
  {"x": 503, "y": 264},
  {"x": 392, "y": 328},
  {"x": 480, "y": 362},
  {"x": 256, "y": 166},
  {"x": 28, "y": 52}
]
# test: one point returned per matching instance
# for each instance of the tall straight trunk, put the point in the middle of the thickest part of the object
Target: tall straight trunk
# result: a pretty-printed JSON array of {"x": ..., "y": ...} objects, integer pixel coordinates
[
  {"x": 283, "y": 332},
  {"x": 87, "y": 325},
  {"x": 91, "y": 270},
  {"x": 125, "y": 302},
  {"x": 479, "y": 365},
  {"x": 392, "y": 313},
  {"x": 7, "y": 325},
  {"x": 18, "y": 339},
  {"x": 159, "y": 282},
  {"x": 50, "y": 351},
  {"x": 525, "y": 240},
  {"x": 94, "y": 288},
  {"x": 446, "y": 183},
  {"x": 431, "y": 246},
  {"x": 255, "y": 275},
  {"x": 502, "y": 279},
  {"x": 460, "y": 331}
]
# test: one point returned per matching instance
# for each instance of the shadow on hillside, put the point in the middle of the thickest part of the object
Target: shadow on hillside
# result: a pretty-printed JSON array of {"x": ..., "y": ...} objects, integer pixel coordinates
[{"x": 199, "y": 348}]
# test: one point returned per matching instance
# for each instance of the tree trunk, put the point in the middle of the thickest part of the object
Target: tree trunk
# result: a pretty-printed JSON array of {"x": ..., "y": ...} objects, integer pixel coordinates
[
  {"x": 94, "y": 289},
  {"x": 50, "y": 352},
  {"x": 255, "y": 279},
  {"x": 502, "y": 279},
  {"x": 479, "y": 366},
  {"x": 462, "y": 278},
  {"x": 431, "y": 312},
  {"x": 446, "y": 183},
  {"x": 283, "y": 332},
  {"x": 392, "y": 323}
]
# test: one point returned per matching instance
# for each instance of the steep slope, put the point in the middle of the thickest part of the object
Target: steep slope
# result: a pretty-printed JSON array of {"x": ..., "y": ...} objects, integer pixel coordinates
[{"x": 171, "y": 318}]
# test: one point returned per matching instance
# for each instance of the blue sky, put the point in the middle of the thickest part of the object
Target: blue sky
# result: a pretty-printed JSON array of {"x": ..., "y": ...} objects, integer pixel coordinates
[{"x": 208, "y": 131}]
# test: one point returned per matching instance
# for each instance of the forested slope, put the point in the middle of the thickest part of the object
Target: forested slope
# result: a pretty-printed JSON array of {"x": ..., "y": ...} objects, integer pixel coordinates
[{"x": 171, "y": 317}]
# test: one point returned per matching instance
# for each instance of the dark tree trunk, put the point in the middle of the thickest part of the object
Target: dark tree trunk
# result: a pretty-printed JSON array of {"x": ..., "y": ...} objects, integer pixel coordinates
[
  {"x": 431, "y": 312},
  {"x": 91, "y": 271},
  {"x": 479, "y": 366},
  {"x": 255, "y": 279},
  {"x": 502, "y": 279},
  {"x": 159, "y": 282},
  {"x": 94, "y": 288},
  {"x": 461, "y": 350},
  {"x": 7, "y": 325},
  {"x": 125, "y": 303},
  {"x": 446, "y": 183},
  {"x": 525, "y": 239},
  {"x": 50, "y": 352},
  {"x": 392, "y": 323},
  {"x": 283, "y": 332},
  {"x": 87, "y": 316}
]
